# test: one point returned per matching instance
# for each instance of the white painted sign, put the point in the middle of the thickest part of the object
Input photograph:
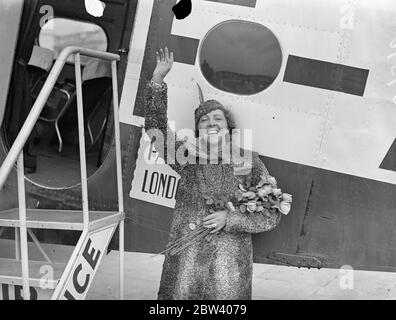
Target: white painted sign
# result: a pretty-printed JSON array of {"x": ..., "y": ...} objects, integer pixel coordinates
[
  {"x": 135, "y": 61},
  {"x": 84, "y": 267},
  {"x": 153, "y": 180},
  {"x": 14, "y": 292}
]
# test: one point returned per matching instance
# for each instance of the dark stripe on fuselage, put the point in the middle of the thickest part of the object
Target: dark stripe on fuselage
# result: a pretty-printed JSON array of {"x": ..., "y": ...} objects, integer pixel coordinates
[
  {"x": 325, "y": 75},
  {"x": 244, "y": 3},
  {"x": 159, "y": 35},
  {"x": 184, "y": 49},
  {"x": 389, "y": 162}
]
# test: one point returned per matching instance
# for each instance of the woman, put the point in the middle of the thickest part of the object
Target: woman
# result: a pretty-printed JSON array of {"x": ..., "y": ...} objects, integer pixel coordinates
[{"x": 220, "y": 265}]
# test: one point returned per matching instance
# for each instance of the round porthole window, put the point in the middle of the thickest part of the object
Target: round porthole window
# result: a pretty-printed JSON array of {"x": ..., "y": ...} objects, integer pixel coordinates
[{"x": 240, "y": 57}]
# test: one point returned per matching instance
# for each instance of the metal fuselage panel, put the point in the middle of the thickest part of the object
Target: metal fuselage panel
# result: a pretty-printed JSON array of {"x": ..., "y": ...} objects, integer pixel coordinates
[{"x": 9, "y": 25}]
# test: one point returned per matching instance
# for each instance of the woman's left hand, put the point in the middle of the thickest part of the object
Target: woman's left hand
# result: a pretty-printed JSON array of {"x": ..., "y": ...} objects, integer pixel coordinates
[{"x": 216, "y": 221}]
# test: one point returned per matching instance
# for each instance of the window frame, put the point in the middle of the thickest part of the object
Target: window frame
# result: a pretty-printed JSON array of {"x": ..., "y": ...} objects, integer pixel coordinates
[
  {"x": 244, "y": 21},
  {"x": 77, "y": 20}
]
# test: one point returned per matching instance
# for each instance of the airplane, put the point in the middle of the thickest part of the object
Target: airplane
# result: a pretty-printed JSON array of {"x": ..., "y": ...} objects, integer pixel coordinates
[{"x": 314, "y": 81}]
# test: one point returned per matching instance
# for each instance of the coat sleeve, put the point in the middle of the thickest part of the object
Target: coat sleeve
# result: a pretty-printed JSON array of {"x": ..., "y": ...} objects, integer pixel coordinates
[
  {"x": 156, "y": 124},
  {"x": 255, "y": 222}
]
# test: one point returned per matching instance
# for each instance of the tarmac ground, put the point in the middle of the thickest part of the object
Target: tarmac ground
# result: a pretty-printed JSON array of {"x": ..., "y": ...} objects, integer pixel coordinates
[
  {"x": 270, "y": 282},
  {"x": 142, "y": 272}
]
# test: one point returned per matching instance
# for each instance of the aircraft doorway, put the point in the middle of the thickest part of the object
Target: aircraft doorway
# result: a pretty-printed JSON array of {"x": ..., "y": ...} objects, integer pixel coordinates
[{"x": 51, "y": 153}]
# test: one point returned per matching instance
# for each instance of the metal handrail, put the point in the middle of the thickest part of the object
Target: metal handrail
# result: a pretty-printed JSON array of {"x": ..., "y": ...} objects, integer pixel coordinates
[
  {"x": 39, "y": 104},
  {"x": 16, "y": 152}
]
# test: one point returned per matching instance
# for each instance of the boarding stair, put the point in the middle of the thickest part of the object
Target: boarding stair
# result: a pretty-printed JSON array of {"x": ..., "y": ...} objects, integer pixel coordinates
[{"x": 24, "y": 278}]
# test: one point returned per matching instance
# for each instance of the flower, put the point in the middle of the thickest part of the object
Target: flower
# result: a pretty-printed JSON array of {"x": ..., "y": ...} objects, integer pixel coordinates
[
  {"x": 262, "y": 193},
  {"x": 272, "y": 181},
  {"x": 284, "y": 207},
  {"x": 263, "y": 178},
  {"x": 276, "y": 192},
  {"x": 249, "y": 195},
  {"x": 286, "y": 197},
  {"x": 265, "y": 197},
  {"x": 242, "y": 188},
  {"x": 267, "y": 189},
  {"x": 251, "y": 206}
]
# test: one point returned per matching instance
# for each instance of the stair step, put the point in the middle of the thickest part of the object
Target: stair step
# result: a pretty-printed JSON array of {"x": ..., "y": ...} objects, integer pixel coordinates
[
  {"x": 11, "y": 272},
  {"x": 59, "y": 219}
]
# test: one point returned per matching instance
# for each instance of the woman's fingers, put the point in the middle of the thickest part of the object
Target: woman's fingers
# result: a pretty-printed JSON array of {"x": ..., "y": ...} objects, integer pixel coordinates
[
  {"x": 168, "y": 56},
  {"x": 165, "y": 56},
  {"x": 162, "y": 55},
  {"x": 164, "y": 64},
  {"x": 217, "y": 229},
  {"x": 209, "y": 217},
  {"x": 212, "y": 222},
  {"x": 209, "y": 223}
]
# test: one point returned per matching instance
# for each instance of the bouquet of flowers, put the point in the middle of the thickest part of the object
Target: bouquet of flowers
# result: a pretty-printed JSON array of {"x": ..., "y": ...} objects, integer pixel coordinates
[{"x": 265, "y": 195}]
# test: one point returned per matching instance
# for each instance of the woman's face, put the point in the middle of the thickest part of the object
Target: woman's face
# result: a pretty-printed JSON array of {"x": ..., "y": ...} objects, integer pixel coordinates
[{"x": 212, "y": 126}]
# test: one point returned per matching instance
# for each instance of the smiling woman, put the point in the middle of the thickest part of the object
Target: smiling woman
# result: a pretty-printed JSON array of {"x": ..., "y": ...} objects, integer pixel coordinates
[{"x": 210, "y": 252}]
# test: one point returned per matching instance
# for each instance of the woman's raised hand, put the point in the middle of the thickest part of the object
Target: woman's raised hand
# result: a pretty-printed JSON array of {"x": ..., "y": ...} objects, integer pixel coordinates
[{"x": 164, "y": 65}]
